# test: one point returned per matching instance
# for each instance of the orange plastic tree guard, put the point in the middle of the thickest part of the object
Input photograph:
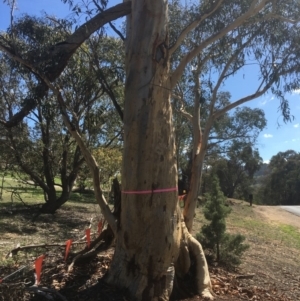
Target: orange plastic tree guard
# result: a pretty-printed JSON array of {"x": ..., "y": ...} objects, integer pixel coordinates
[
  {"x": 38, "y": 268},
  {"x": 68, "y": 247}
]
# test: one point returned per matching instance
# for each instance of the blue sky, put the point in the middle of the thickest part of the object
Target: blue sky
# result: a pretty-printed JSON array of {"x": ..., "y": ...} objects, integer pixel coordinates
[{"x": 278, "y": 136}]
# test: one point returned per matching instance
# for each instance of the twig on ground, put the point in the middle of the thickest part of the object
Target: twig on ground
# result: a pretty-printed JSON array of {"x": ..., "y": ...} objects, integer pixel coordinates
[
  {"x": 17, "y": 249},
  {"x": 21, "y": 269},
  {"x": 249, "y": 276},
  {"x": 101, "y": 243},
  {"x": 46, "y": 292}
]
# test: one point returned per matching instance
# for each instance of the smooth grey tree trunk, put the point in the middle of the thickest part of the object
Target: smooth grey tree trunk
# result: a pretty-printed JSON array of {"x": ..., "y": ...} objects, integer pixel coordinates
[
  {"x": 151, "y": 228},
  {"x": 148, "y": 238}
]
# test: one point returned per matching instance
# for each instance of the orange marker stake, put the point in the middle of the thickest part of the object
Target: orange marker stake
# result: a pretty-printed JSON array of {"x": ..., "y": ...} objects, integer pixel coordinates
[
  {"x": 181, "y": 199},
  {"x": 88, "y": 237},
  {"x": 100, "y": 225},
  {"x": 68, "y": 247},
  {"x": 38, "y": 268}
]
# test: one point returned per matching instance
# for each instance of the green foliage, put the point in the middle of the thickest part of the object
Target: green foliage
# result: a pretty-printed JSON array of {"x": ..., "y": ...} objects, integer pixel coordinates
[
  {"x": 236, "y": 171},
  {"x": 232, "y": 248},
  {"x": 40, "y": 148},
  {"x": 226, "y": 248},
  {"x": 281, "y": 186}
]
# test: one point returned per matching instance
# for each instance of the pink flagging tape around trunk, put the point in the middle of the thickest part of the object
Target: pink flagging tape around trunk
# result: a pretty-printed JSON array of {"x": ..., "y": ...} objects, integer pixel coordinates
[{"x": 150, "y": 191}]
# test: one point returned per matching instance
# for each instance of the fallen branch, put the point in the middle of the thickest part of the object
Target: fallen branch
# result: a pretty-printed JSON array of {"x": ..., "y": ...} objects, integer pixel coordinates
[
  {"x": 249, "y": 276},
  {"x": 101, "y": 243},
  {"x": 46, "y": 292},
  {"x": 21, "y": 269},
  {"x": 19, "y": 248},
  {"x": 18, "y": 285}
]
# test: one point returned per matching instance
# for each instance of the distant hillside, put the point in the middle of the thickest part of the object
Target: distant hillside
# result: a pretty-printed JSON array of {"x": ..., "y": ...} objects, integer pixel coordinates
[{"x": 263, "y": 171}]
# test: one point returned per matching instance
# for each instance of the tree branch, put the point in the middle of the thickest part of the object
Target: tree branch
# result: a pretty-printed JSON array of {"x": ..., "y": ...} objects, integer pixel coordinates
[
  {"x": 182, "y": 110},
  {"x": 197, "y": 130},
  {"x": 90, "y": 160},
  {"x": 281, "y": 18},
  {"x": 260, "y": 91},
  {"x": 60, "y": 53},
  {"x": 19, "y": 248},
  {"x": 25, "y": 167},
  {"x": 239, "y": 21},
  {"x": 110, "y": 23},
  {"x": 107, "y": 88},
  {"x": 225, "y": 69},
  {"x": 192, "y": 26},
  {"x": 233, "y": 105}
]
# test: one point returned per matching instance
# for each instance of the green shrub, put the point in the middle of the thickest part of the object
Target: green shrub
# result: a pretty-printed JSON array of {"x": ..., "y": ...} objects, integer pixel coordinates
[
  {"x": 232, "y": 249},
  {"x": 224, "y": 248}
]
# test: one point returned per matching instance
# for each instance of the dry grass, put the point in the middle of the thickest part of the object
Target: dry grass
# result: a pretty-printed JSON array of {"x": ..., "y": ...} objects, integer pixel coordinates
[{"x": 274, "y": 254}]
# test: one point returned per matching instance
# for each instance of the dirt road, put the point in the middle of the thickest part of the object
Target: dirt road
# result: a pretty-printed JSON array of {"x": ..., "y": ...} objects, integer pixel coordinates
[
  {"x": 276, "y": 214},
  {"x": 292, "y": 209}
]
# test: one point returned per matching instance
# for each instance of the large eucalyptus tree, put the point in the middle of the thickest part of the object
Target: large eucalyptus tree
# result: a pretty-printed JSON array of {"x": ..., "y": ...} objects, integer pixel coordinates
[{"x": 152, "y": 241}]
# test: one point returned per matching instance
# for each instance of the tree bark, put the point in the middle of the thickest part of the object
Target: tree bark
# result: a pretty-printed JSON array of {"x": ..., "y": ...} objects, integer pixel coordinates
[
  {"x": 200, "y": 141},
  {"x": 148, "y": 239},
  {"x": 52, "y": 205},
  {"x": 150, "y": 233},
  {"x": 192, "y": 196}
]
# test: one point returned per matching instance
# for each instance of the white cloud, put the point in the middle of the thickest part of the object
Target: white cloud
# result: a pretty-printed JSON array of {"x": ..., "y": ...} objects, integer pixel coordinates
[
  {"x": 296, "y": 91},
  {"x": 263, "y": 102},
  {"x": 266, "y": 100},
  {"x": 268, "y": 135},
  {"x": 296, "y": 125},
  {"x": 267, "y": 161}
]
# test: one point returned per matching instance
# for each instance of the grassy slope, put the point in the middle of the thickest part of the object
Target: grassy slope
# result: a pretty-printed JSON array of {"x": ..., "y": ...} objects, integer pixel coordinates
[
  {"x": 245, "y": 220},
  {"x": 274, "y": 254}
]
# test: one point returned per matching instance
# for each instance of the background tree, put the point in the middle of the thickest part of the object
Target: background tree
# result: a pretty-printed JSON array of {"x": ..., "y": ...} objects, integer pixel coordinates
[
  {"x": 281, "y": 184},
  {"x": 43, "y": 149},
  {"x": 240, "y": 47},
  {"x": 236, "y": 171},
  {"x": 241, "y": 126}
]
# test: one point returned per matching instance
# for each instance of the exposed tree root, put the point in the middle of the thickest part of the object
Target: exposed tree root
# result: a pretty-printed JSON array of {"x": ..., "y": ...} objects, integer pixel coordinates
[
  {"x": 192, "y": 276},
  {"x": 187, "y": 277}
]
